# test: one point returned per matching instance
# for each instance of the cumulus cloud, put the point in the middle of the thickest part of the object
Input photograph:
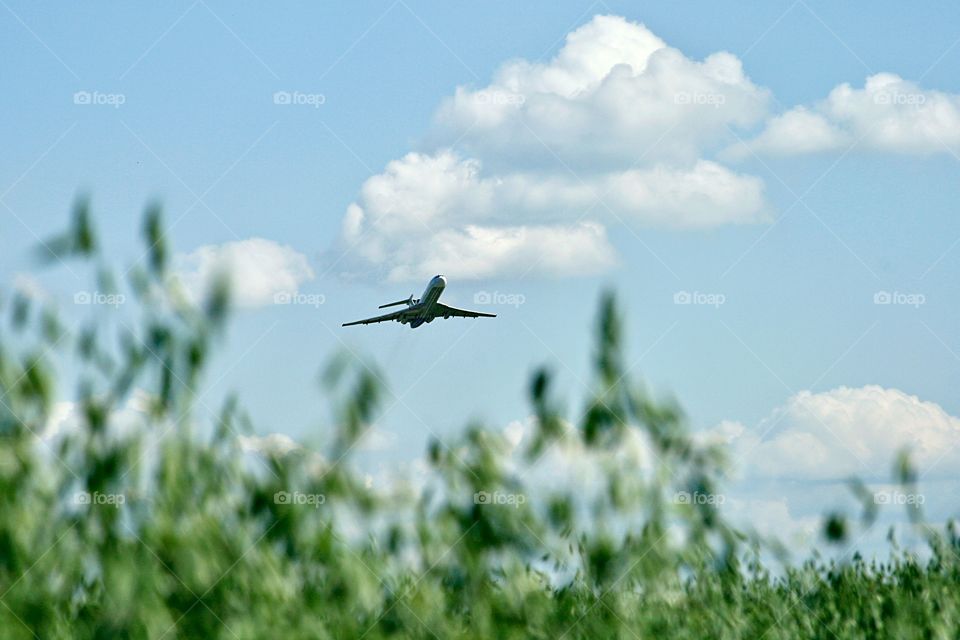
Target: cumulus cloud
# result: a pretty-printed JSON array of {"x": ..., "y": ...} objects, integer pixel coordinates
[
  {"x": 797, "y": 131},
  {"x": 257, "y": 270},
  {"x": 614, "y": 92},
  {"x": 429, "y": 214},
  {"x": 888, "y": 114},
  {"x": 845, "y": 432},
  {"x": 618, "y": 128},
  {"x": 437, "y": 213},
  {"x": 420, "y": 192},
  {"x": 792, "y": 468},
  {"x": 529, "y": 172}
]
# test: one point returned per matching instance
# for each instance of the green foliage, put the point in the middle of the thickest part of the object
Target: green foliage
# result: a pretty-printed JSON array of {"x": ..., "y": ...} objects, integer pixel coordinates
[{"x": 151, "y": 524}]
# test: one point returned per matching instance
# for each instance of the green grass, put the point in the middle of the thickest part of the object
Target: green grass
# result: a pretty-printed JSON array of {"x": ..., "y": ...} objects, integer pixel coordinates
[{"x": 202, "y": 548}]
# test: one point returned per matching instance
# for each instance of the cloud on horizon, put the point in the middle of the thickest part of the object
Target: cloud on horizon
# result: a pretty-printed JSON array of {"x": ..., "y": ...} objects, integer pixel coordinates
[
  {"x": 258, "y": 270},
  {"x": 845, "y": 432}
]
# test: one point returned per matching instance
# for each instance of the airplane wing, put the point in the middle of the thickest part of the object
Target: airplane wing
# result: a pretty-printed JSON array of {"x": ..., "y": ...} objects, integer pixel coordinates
[
  {"x": 444, "y": 310},
  {"x": 384, "y": 318}
]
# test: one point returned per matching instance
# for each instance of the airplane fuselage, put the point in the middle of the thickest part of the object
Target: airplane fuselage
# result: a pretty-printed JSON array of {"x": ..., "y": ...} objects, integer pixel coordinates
[{"x": 424, "y": 306}]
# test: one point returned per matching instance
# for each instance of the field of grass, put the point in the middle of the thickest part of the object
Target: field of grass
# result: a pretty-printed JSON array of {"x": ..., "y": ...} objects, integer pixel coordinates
[{"x": 167, "y": 528}]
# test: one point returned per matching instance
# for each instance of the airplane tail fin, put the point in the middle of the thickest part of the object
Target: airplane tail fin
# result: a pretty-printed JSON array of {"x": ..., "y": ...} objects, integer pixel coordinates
[{"x": 408, "y": 301}]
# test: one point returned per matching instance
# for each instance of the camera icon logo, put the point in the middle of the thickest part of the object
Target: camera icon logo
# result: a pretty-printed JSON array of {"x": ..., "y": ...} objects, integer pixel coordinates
[
  {"x": 481, "y": 497},
  {"x": 682, "y": 497},
  {"x": 882, "y": 297},
  {"x": 281, "y": 497},
  {"x": 81, "y": 97},
  {"x": 282, "y": 297},
  {"x": 682, "y": 297},
  {"x": 81, "y": 497},
  {"x": 82, "y": 297},
  {"x": 282, "y": 97},
  {"x": 482, "y": 297}
]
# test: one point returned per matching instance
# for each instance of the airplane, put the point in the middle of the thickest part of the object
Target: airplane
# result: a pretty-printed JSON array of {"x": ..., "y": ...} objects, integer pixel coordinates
[{"x": 426, "y": 309}]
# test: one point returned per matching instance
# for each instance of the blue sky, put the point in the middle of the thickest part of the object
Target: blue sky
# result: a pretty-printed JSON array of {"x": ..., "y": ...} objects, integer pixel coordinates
[{"x": 737, "y": 153}]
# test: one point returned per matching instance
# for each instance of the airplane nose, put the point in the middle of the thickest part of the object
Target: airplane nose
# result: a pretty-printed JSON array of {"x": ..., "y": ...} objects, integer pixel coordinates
[{"x": 442, "y": 280}]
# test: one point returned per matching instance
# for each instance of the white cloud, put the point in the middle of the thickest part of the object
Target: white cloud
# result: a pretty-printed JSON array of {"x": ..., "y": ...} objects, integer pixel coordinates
[
  {"x": 889, "y": 114},
  {"x": 797, "y": 131},
  {"x": 773, "y": 518},
  {"x": 422, "y": 192},
  {"x": 617, "y": 128},
  {"x": 614, "y": 91},
  {"x": 430, "y": 214},
  {"x": 846, "y": 432},
  {"x": 258, "y": 269},
  {"x": 704, "y": 195},
  {"x": 273, "y": 444},
  {"x": 530, "y": 170},
  {"x": 792, "y": 467},
  {"x": 438, "y": 213}
]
